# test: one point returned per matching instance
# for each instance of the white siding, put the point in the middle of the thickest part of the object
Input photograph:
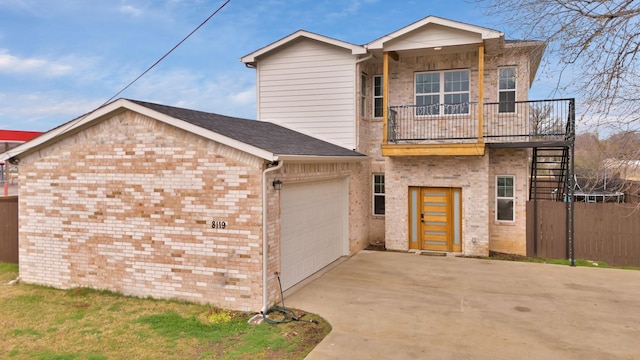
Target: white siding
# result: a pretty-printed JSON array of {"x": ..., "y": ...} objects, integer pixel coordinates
[{"x": 310, "y": 87}]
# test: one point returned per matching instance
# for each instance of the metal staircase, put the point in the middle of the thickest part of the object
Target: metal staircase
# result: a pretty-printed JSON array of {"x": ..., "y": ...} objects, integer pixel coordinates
[
  {"x": 549, "y": 167},
  {"x": 552, "y": 179}
]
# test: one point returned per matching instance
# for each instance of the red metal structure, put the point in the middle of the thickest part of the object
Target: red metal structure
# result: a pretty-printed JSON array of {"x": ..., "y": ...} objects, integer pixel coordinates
[{"x": 17, "y": 136}]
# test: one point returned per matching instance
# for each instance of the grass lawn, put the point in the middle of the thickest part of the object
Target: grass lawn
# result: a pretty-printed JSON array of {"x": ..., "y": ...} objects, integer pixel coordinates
[
  {"x": 577, "y": 262},
  {"x": 43, "y": 323}
]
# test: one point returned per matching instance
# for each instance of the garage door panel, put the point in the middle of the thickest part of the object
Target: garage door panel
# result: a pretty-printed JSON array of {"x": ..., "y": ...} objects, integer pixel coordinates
[{"x": 313, "y": 227}]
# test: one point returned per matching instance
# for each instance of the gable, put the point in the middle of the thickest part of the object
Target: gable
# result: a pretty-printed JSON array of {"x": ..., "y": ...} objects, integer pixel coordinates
[
  {"x": 432, "y": 35},
  {"x": 311, "y": 52},
  {"x": 128, "y": 142},
  {"x": 250, "y": 59},
  {"x": 436, "y": 32},
  {"x": 309, "y": 86}
]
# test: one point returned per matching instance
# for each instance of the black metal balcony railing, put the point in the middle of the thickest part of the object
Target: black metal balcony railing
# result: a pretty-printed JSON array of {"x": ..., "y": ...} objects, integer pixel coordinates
[
  {"x": 520, "y": 121},
  {"x": 433, "y": 122}
]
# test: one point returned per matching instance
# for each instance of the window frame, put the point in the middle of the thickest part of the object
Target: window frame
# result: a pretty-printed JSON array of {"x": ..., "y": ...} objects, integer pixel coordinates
[
  {"x": 375, "y": 194},
  {"x": 442, "y": 93},
  {"x": 378, "y": 97},
  {"x": 512, "y": 198},
  {"x": 508, "y": 90}
]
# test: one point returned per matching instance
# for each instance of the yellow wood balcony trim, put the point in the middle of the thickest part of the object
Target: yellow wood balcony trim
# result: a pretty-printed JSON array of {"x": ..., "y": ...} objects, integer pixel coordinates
[{"x": 474, "y": 149}]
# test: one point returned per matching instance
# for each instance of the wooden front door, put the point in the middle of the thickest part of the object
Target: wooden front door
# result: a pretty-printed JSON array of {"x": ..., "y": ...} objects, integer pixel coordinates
[{"x": 435, "y": 219}]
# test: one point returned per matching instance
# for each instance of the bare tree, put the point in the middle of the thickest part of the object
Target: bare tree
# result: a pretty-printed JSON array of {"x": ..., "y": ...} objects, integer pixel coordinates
[
  {"x": 594, "y": 46},
  {"x": 544, "y": 122},
  {"x": 589, "y": 161},
  {"x": 609, "y": 165}
]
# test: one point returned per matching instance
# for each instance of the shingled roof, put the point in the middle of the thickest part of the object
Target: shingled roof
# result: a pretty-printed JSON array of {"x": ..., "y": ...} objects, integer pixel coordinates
[
  {"x": 267, "y": 140},
  {"x": 264, "y": 135}
]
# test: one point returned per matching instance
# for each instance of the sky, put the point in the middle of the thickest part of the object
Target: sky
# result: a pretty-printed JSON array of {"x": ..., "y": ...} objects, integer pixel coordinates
[{"x": 60, "y": 59}]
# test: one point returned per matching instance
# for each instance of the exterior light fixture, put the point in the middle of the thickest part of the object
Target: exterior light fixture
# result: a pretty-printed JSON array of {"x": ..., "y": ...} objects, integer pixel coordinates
[
  {"x": 277, "y": 184},
  {"x": 437, "y": 48}
]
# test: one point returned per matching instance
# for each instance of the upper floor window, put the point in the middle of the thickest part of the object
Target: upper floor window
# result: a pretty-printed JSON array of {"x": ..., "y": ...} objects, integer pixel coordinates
[
  {"x": 507, "y": 89},
  {"x": 442, "y": 92},
  {"x": 377, "y": 96},
  {"x": 363, "y": 95}
]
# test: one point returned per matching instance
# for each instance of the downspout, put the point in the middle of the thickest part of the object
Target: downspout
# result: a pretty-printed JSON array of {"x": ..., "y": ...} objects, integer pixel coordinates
[
  {"x": 481, "y": 93},
  {"x": 364, "y": 58},
  {"x": 265, "y": 258},
  {"x": 357, "y": 116},
  {"x": 385, "y": 99}
]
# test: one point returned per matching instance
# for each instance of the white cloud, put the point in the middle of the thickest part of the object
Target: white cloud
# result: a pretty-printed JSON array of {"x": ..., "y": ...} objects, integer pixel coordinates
[
  {"x": 350, "y": 8},
  {"x": 130, "y": 10},
  {"x": 13, "y": 64},
  {"x": 42, "y": 111},
  {"x": 244, "y": 97},
  {"x": 229, "y": 94}
]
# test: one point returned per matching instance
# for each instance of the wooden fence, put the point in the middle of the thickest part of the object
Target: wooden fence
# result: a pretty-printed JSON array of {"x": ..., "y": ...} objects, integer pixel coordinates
[
  {"x": 9, "y": 229},
  {"x": 603, "y": 232}
]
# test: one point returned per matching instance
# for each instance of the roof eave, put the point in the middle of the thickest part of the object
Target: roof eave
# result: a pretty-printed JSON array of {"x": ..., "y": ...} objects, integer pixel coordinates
[
  {"x": 321, "y": 159},
  {"x": 251, "y": 58},
  {"x": 485, "y": 33},
  {"x": 535, "y": 57},
  {"x": 122, "y": 105}
]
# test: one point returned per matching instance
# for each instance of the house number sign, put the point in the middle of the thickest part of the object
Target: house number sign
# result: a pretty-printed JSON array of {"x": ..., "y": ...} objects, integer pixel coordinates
[{"x": 218, "y": 224}]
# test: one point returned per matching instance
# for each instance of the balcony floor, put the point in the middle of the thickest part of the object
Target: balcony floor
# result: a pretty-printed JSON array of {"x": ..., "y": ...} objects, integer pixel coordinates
[
  {"x": 449, "y": 149},
  {"x": 530, "y": 144}
]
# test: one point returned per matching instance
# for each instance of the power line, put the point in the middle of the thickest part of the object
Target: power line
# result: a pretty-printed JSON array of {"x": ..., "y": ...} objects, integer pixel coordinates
[
  {"x": 63, "y": 128},
  {"x": 167, "y": 54}
]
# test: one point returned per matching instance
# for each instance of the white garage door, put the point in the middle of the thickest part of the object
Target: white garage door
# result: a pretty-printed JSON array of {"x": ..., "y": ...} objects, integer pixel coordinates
[{"x": 313, "y": 228}]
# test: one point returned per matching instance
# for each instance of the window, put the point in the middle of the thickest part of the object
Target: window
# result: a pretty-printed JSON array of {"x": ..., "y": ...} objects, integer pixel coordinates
[
  {"x": 378, "y": 194},
  {"x": 507, "y": 89},
  {"x": 505, "y": 198},
  {"x": 442, "y": 93},
  {"x": 363, "y": 95},
  {"x": 377, "y": 96}
]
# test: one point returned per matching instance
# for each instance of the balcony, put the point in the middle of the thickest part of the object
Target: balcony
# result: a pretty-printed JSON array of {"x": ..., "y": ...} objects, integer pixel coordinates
[{"x": 464, "y": 129}]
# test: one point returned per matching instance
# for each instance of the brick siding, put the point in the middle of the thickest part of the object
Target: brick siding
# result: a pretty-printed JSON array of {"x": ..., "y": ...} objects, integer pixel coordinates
[
  {"x": 127, "y": 205},
  {"x": 469, "y": 173},
  {"x": 509, "y": 237},
  {"x": 475, "y": 175}
]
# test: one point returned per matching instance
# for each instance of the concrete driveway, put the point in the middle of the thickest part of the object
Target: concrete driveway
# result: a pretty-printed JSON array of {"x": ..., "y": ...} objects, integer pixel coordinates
[{"x": 386, "y": 305}]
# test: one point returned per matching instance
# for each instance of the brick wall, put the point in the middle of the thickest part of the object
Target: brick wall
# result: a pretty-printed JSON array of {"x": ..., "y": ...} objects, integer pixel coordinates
[
  {"x": 401, "y": 91},
  {"x": 402, "y": 73},
  {"x": 509, "y": 237},
  {"x": 127, "y": 205},
  {"x": 370, "y": 138},
  {"x": 471, "y": 173}
]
